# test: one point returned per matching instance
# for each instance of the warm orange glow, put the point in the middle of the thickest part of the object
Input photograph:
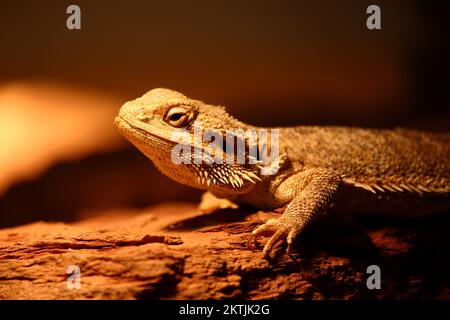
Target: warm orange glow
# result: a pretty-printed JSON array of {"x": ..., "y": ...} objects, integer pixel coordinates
[{"x": 43, "y": 123}]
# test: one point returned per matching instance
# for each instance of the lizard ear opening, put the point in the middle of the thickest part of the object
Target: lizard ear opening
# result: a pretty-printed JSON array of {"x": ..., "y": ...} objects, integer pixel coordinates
[{"x": 237, "y": 146}]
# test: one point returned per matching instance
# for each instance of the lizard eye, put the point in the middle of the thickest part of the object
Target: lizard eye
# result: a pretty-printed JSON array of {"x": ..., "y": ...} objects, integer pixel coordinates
[
  {"x": 178, "y": 117},
  {"x": 175, "y": 116}
]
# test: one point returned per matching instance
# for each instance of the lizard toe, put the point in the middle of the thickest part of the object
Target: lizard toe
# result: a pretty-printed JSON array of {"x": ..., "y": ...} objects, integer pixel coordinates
[
  {"x": 290, "y": 252},
  {"x": 278, "y": 236},
  {"x": 263, "y": 230},
  {"x": 252, "y": 242},
  {"x": 281, "y": 231}
]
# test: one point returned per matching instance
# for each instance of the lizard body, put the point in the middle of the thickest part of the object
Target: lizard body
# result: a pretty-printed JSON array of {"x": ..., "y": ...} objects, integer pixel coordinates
[{"x": 350, "y": 170}]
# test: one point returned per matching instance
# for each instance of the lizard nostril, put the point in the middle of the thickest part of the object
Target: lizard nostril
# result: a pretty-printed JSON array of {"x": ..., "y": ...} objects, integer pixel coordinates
[{"x": 142, "y": 117}]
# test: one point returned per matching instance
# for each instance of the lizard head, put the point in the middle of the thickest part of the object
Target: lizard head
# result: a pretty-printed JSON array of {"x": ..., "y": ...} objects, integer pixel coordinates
[{"x": 164, "y": 125}]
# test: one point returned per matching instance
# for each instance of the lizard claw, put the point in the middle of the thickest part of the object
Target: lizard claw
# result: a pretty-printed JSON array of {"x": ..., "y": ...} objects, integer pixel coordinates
[
  {"x": 281, "y": 230},
  {"x": 291, "y": 254},
  {"x": 252, "y": 242}
]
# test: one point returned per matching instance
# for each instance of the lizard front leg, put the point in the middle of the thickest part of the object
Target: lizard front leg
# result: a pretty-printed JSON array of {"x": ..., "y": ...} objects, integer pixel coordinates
[{"x": 308, "y": 193}]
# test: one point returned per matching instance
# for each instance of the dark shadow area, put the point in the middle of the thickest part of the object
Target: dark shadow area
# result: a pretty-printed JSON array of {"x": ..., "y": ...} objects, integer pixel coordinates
[
  {"x": 222, "y": 216},
  {"x": 121, "y": 179},
  {"x": 413, "y": 255},
  {"x": 336, "y": 235}
]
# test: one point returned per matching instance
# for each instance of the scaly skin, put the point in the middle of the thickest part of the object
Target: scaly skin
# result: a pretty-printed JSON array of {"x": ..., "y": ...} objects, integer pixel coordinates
[{"x": 349, "y": 170}]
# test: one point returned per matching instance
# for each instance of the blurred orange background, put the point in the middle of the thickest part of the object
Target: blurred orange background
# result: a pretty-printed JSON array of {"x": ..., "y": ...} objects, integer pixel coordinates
[{"x": 271, "y": 63}]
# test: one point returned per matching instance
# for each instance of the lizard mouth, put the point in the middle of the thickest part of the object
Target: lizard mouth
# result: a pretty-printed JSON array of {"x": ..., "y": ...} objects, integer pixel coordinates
[
  {"x": 137, "y": 134},
  {"x": 130, "y": 129},
  {"x": 122, "y": 123}
]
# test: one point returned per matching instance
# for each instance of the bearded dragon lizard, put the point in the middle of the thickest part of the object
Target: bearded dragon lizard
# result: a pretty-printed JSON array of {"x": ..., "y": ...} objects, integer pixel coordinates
[{"x": 344, "y": 169}]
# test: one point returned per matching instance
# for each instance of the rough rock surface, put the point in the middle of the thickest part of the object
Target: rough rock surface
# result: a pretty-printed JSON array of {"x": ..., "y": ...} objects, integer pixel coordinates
[{"x": 174, "y": 252}]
